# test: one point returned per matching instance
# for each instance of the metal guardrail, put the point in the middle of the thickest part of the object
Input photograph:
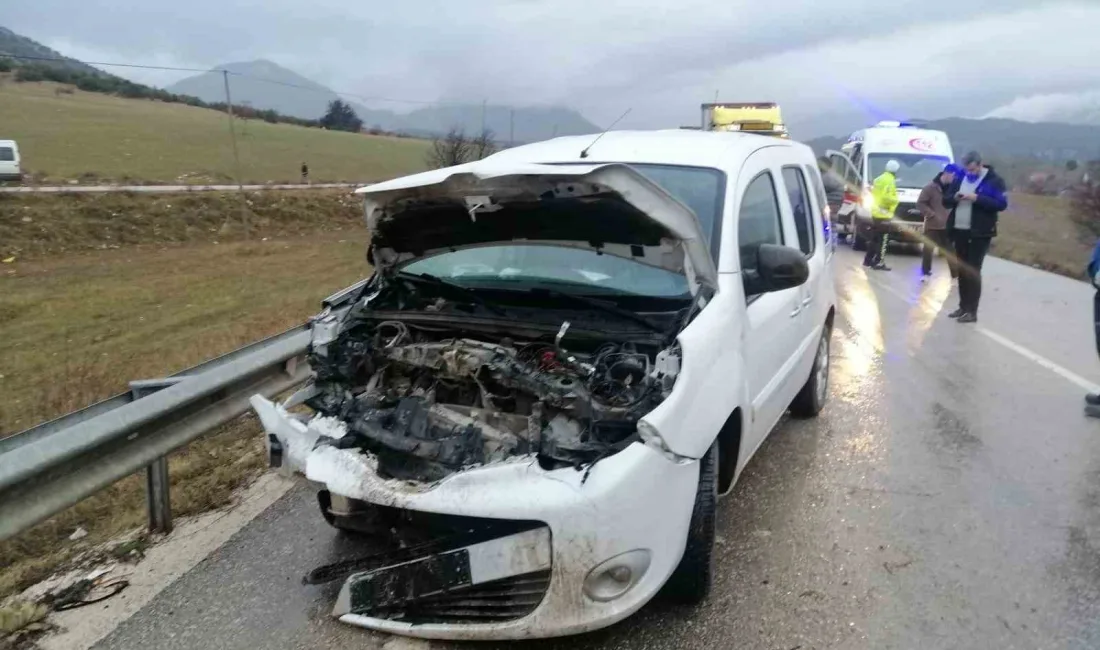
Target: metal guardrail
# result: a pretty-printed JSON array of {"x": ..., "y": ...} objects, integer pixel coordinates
[{"x": 52, "y": 466}]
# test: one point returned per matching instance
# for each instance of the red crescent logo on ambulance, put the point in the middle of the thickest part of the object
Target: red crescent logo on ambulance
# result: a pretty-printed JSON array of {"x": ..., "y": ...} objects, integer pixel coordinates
[{"x": 922, "y": 144}]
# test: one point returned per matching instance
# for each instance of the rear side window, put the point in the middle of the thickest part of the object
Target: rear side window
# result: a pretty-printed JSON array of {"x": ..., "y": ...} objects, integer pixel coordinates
[
  {"x": 758, "y": 219},
  {"x": 7, "y": 154},
  {"x": 822, "y": 202},
  {"x": 795, "y": 182},
  {"x": 819, "y": 187}
]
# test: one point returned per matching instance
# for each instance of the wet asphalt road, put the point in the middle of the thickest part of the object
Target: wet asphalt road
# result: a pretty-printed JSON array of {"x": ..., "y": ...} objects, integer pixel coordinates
[{"x": 948, "y": 497}]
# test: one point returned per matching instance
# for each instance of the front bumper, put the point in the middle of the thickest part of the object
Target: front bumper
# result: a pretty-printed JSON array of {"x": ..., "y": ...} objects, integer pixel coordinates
[{"x": 638, "y": 500}]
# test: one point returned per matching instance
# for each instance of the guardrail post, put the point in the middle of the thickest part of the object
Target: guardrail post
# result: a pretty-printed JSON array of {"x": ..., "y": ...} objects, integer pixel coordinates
[{"x": 158, "y": 497}]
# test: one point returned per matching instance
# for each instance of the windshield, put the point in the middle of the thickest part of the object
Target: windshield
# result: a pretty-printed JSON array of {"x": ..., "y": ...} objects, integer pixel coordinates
[
  {"x": 699, "y": 188},
  {"x": 917, "y": 170},
  {"x": 7, "y": 154},
  {"x": 584, "y": 271},
  {"x": 567, "y": 269}
]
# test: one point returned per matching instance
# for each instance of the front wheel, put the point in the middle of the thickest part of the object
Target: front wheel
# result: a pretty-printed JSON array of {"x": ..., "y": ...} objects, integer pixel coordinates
[
  {"x": 690, "y": 583},
  {"x": 811, "y": 399}
]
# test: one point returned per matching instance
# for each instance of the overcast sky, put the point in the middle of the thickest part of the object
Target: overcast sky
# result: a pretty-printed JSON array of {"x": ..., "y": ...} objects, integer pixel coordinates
[{"x": 833, "y": 64}]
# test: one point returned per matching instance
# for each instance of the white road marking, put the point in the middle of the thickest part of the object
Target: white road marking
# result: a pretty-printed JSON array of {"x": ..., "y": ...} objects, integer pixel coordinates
[
  {"x": 1021, "y": 350},
  {"x": 1042, "y": 361}
]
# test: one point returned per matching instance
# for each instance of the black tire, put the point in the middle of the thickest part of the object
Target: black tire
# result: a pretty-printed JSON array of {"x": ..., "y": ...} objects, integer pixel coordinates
[
  {"x": 690, "y": 583},
  {"x": 811, "y": 399}
]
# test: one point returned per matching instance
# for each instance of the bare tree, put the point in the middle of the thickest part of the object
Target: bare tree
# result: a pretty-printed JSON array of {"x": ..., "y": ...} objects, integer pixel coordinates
[
  {"x": 484, "y": 145},
  {"x": 457, "y": 148}
]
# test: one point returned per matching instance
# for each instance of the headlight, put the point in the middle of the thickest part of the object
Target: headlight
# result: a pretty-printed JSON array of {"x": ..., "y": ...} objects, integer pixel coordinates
[{"x": 868, "y": 200}]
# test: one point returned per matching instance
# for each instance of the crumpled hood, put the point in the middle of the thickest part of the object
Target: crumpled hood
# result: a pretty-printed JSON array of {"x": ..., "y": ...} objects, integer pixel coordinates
[{"x": 610, "y": 208}]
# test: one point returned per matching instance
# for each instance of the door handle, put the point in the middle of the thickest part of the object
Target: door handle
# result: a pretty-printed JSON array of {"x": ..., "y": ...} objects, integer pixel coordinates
[
  {"x": 797, "y": 310},
  {"x": 807, "y": 300}
]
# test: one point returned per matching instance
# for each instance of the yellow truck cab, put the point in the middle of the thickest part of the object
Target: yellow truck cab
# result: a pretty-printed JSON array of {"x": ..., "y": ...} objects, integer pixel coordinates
[{"x": 763, "y": 118}]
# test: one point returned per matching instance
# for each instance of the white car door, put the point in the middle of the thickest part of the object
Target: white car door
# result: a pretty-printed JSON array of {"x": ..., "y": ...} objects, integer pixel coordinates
[
  {"x": 844, "y": 167},
  {"x": 807, "y": 223},
  {"x": 773, "y": 332}
]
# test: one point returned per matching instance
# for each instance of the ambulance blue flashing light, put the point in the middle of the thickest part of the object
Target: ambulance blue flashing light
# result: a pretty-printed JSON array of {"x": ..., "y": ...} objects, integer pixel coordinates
[{"x": 897, "y": 124}]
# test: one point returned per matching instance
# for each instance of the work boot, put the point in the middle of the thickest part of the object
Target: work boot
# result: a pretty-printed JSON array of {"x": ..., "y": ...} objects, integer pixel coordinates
[
  {"x": 968, "y": 318},
  {"x": 1092, "y": 411},
  {"x": 958, "y": 312},
  {"x": 881, "y": 266},
  {"x": 1092, "y": 399}
]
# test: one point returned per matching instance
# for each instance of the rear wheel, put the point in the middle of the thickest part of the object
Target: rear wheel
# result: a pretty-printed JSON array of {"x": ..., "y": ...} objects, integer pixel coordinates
[
  {"x": 691, "y": 581},
  {"x": 811, "y": 399}
]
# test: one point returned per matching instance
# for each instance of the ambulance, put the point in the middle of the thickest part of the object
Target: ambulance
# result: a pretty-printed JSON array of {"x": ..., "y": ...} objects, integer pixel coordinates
[{"x": 922, "y": 153}]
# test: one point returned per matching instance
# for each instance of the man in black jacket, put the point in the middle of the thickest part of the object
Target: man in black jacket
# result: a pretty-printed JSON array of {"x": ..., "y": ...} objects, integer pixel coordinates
[{"x": 976, "y": 200}]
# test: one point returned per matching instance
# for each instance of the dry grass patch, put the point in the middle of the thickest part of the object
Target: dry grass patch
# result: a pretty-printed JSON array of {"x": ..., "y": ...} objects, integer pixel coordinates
[
  {"x": 1038, "y": 231},
  {"x": 35, "y": 226}
]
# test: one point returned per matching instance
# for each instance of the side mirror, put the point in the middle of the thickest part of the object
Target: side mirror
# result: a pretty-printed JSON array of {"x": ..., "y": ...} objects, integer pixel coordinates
[{"x": 777, "y": 268}]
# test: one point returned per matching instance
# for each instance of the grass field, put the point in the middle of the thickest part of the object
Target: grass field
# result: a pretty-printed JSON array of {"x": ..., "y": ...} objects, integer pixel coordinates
[{"x": 95, "y": 137}]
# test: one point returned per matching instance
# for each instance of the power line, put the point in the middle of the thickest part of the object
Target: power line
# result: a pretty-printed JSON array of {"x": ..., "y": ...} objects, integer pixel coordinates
[{"x": 118, "y": 65}]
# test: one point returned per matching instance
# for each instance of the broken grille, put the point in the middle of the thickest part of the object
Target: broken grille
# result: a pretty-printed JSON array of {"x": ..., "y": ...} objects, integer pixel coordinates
[{"x": 490, "y": 602}]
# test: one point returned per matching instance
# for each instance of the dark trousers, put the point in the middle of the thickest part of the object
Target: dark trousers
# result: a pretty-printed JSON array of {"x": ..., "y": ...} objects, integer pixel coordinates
[
  {"x": 971, "y": 254},
  {"x": 934, "y": 239},
  {"x": 876, "y": 246}
]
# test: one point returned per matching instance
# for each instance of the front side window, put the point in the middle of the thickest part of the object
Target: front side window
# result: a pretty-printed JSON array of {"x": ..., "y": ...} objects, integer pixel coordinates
[{"x": 758, "y": 220}]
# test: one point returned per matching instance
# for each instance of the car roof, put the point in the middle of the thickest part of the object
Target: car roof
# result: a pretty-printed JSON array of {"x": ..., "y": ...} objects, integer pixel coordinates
[{"x": 669, "y": 147}]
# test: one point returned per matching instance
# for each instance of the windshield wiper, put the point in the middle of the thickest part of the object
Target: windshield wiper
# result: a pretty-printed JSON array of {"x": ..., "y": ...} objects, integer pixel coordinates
[
  {"x": 434, "y": 281},
  {"x": 601, "y": 306}
]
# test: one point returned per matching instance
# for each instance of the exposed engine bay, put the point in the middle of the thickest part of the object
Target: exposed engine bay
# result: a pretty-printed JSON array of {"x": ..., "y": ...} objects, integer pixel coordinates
[{"x": 428, "y": 401}]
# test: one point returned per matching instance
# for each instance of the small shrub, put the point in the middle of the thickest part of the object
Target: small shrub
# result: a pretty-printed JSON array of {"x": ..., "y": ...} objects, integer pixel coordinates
[{"x": 1085, "y": 210}]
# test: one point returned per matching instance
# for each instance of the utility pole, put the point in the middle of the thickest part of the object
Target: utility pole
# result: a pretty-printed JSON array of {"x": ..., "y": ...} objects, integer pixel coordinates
[
  {"x": 236, "y": 154},
  {"x": 512, "y": 127}
]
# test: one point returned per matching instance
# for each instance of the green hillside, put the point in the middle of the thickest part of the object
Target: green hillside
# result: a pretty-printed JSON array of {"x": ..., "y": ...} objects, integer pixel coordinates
[{"x": 95, "y": 137}]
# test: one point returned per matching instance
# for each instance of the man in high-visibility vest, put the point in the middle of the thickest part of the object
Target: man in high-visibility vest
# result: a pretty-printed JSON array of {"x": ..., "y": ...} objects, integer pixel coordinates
[{"x": 884, "y": 198}]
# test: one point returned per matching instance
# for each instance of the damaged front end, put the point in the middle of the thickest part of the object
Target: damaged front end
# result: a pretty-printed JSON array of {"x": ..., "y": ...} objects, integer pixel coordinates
[
  {"x": 427, "y": 403},
  {"x": 457, "y": 411}
]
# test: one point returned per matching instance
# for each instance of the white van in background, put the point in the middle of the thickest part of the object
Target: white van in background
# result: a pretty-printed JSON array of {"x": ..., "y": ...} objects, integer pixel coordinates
[
  {"x": 922, "y": 153},
  {"x": 9, "y": 161}
]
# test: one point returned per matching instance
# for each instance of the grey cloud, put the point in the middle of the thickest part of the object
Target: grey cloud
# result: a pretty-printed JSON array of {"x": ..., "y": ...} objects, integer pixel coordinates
[{"x": 660, "y": 57}]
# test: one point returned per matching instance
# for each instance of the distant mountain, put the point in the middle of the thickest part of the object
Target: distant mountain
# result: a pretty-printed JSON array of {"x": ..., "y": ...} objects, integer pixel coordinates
[
  {"x": 1004, "y": 138},
  {"x": 263, "y": 85},
  {"x": 12, "y": 43},
  {"x": 267, "y": 85}
]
